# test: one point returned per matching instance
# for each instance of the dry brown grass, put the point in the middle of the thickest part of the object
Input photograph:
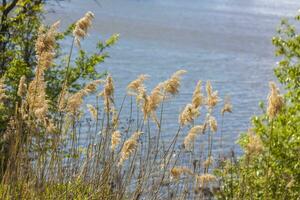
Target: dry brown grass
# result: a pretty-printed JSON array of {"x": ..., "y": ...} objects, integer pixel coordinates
[{"x": 47, "y": 159}]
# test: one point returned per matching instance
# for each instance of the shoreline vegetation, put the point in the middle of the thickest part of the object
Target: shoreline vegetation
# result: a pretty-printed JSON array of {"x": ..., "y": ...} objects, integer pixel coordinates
[{"x": 42, "y": 106}]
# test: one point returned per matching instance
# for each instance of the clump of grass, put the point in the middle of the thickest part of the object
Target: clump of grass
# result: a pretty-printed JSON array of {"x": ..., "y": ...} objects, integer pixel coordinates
[{"x": 118, "y": 159}]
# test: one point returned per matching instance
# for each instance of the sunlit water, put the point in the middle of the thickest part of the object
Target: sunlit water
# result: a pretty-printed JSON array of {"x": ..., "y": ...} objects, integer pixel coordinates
[{"x": 225, "y": 41}]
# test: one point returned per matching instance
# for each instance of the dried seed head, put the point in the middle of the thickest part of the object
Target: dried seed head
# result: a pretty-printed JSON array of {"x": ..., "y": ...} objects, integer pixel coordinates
[
  {"x": 82, "y": 26},
  {"x": 92, "y": 86},
  {"x": 115, "y": 118},
  {"x": 115, "y": 139},
  {"x": 36, "y": 97},
  {"x": 191, "y": 137},
  {"x": 109, "y": 87},
  {"x": 172, "y": 85},
  {"x": 143, "y": 101},
  {"x": 74, "y": 102},
  {"x": 150, "y": 103},
  {"x": 212, "y": 96},
  {"x": 176, "y": 172},
  {"x": 227, "y": 106},
  {"x": 198, "y": 97},
  {"x": 93, "y": 111},
  {"x": 108, "y": 94},
  {"x": 129, "y": 147},
  {"x": 50, "y": 126},
  {"x": 41, "y": 112},
  {"x": 22, "y": 87},
  {"x": 254, "y": 145},
  {"x": 45, "y": 48},
  {"x": 133, "y": 87},
  {"x": 46, "y": 39},
  {"x": 155, "y": 98},
  {"x": 188, "y": 115},
  {"x": 45, "y": 45},
  {"x": 204, "y": 179},
  {"x": 62, "y": 99},
  {"x": 275, "y": 101},
  {"x": 212, "y": 123},
  {"x": 142, "y": 96}
]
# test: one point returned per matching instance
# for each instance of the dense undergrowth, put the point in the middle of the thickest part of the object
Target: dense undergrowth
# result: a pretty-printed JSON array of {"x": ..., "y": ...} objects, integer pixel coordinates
[
  {"x": 270, "y": 166},
  {"x": 43, "y": 126}
]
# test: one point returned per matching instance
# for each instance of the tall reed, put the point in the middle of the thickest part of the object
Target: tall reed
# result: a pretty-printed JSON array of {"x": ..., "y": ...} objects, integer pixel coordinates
[{"x": 61, "y": 153}]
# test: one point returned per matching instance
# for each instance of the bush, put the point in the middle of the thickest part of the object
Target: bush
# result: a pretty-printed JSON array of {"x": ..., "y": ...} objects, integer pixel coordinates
[
  {"x": 270, "y": 167},
  {"x": 20, "y": 26},
  {"x": 27, "y": 48}
]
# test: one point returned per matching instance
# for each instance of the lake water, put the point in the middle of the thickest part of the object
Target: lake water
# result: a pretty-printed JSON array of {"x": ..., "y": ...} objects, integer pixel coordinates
[{"x": 225, "y": 41}]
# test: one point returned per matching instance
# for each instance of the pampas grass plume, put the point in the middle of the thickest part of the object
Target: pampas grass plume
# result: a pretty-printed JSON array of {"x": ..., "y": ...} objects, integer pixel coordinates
[
  {"x": 115, "y": 139},
  {"x": 275, "y": 101},
  {"x": 82, "y": 26},
  {"x": 198, "y": 97},
  {"x": 93, "y": 111},
  {"x": 172, "y": 85},
  {"x": 129, "y": 147},
  {"x": 191, "y": 137}
]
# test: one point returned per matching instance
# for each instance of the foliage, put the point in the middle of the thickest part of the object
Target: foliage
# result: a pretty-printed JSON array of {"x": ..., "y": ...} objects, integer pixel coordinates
[
  {"x": 20, "y": 23},
  {"x": 274, "y": 171}
]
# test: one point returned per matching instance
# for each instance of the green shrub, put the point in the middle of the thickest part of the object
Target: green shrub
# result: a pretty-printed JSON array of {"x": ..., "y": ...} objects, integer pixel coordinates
[{"x": 270, "y": 166}]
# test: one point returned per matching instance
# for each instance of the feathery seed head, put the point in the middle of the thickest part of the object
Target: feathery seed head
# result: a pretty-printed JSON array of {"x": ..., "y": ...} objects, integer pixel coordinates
[
  {"x": 188, "y": 115},
  {"x": 74, "y": 102},
  {"x": 212, "y": 96},
  {"x": 45, "y": 45},
  {"x": 204, "y": 179},
  {"x": 92, "y": 86},
  {"x": 155, "y": 98},
  {"x": 50, "y": 126},
  {"x": 227, "y": 106},
  {"x": 129, "y": 147},
  {"x": 133, "y": 87},
  {"x": 275, "y": 101},
  {"x": 108, "y": 93},
  {"x": 198, "y": 97},
  {"x": 115, "y": 139},
  {"x": 41, "y": 112},
  {"x": 93, "y": 111},
  {"x": 115, "y": 118},
  {"x": 176, "y": 172},
  {"x": 82, "y": 26},
  {"x": 22, "y": 87},
  {"x": 143, "y": 101},
  {"x": 213, "y": 123},
  {"x": 254, "y": 145},
  {"x": 172, "y": 85},
  {"x": 109, "y": 87},
  {"x": 45, "y": 48},
  {"x": 62, "y": 99},
  {"x": 191, "y": 137},
  {"x": 46, "y": 41}
]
